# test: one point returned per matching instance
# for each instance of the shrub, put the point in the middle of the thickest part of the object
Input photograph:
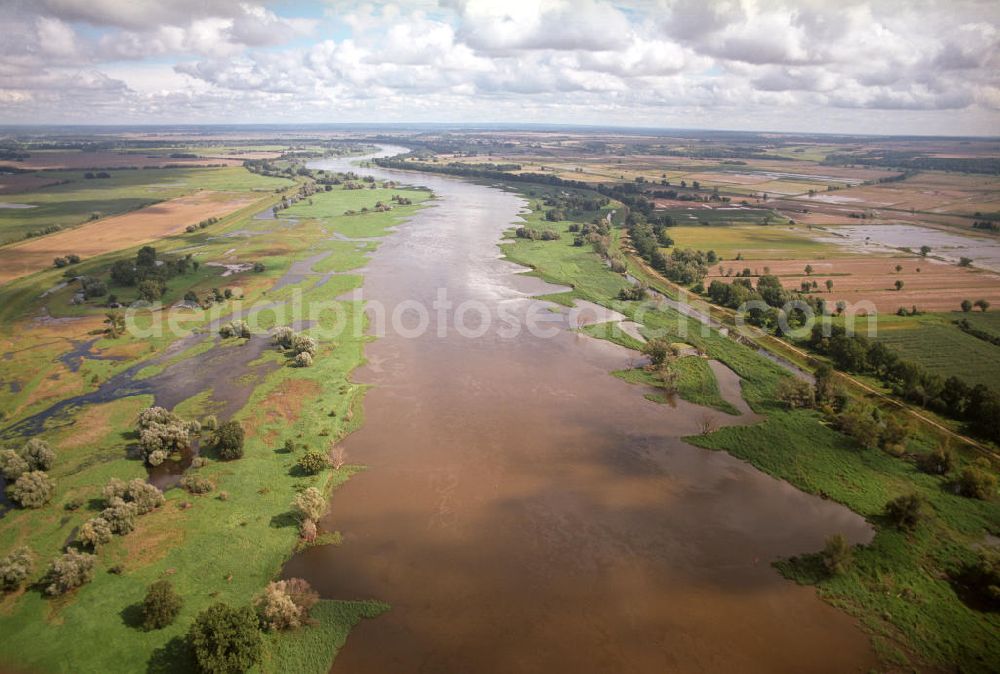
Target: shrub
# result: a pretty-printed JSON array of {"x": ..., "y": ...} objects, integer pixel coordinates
[
  {"x": 161, "y": 605},
  {"x": 795, "y": 393},
  {"x": 226, "y": 639},
  {"x": 308, "y": 530},
  {"x": 313, "y": 462},
  {"x": 12, "y": 466},
  {"x": 658, "y": 350},
  {"x": 38, "y": 454},
  {"x": 282, "y": 337},
  {"x": 941, "y": 461},
  {"x": 210, "y": 422},
  {"x": 228, "y": 440},
  {"x": 837, "y": 555},
  {"x": 239, "y": 329},
  {"x": 94, "y": 533},
  {"x": 983, "y": 578},
  {"x": 303, "y": 359},
  {"x": 120, "y": 516},
  {"x": 858, "y": 422},
  {"x": 196, "y": 484},
  {"x": 258, "y": 267},
  {"x": 906, "y": 511},
  {"x": 309, "y": 504},
  {"x": 285, "y": 604},
  {"x": 978, "y": 481},
  {"x": 15, "y": 568},
  {"x": 69, "y": 571},
  {"x": 304, "y": 344},
  {"x": 115, "y": 488},
  {"x": 32, "y": 490}
]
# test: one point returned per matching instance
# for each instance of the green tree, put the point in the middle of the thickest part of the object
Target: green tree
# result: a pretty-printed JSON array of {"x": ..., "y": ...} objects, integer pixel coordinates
[
  {"x": 228, "y": 440},
  {"x": 925, "y": 250},
  {"x": 314, "y": 462},
  {"x": 94, "y": 533},
  {"x": 899, "y": 284},
  {"x": 658, "y": 350},
  {"x": 978, "y": 481},
  {"x": 69, "y": 571},
  {"x": 226, "y": 640},
  {"x": 15, "y": 568},
  {"x": 982, "y": 304},
  {"x": 829, "y": 286},
  {"x": 38, "y": 454},
  {"x": 309, "y": 504},
  {"x": 32, "y": 490},
  {"x": 12, "y": 465},
  {"x": 161, "y": 605},
  {"x": 966, "y": 306}
]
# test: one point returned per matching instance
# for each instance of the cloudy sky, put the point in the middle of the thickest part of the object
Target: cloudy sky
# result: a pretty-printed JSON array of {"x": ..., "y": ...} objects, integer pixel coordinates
[{"x": 873, "y": 66}]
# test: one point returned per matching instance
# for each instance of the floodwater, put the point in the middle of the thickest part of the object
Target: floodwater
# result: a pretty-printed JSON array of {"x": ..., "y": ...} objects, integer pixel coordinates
[
  {"x": 949, "y": 246},
  {"x": 524, "y": 511}
]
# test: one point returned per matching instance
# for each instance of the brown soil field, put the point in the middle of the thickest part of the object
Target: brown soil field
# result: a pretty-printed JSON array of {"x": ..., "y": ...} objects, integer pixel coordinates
[
  {"x": 936, "y": 287},
  {"x": 12, "y": 183},
  {"x": 122, "y": 231},
  {"x": 99, "y": 160}
]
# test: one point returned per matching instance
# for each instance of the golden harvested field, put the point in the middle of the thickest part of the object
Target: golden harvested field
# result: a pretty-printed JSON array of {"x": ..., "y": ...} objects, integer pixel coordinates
[
  {"x": 72, "y": 159},
  {"x": 936, "y": 287},
  {"x": 123, "y": 231}
]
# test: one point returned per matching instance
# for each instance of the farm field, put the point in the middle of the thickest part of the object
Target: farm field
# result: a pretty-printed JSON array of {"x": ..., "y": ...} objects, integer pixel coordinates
[
  {"x": 871, "y": 278},
  {"x": 122, "y": 231},
  {"x": 753, "y": 243},
  {"x": 47, "y": 160},
  {"x": 75, "y": 199}
]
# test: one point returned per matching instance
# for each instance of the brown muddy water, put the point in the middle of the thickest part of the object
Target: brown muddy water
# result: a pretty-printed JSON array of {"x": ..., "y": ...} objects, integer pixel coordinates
[{"x": 524, "y": 511}]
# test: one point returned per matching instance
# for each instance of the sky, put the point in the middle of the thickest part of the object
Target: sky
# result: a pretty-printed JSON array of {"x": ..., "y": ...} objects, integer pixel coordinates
[{"x": 850, "y": 66}]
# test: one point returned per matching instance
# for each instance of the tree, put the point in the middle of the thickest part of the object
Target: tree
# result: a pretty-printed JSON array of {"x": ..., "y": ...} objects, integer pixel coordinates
[
  {"x": 120, "y": 516},
  {"x": 906, "y": 511},
  {"x": 144, "y": 496},
  {"x": 982, "y": 304},
  {"x": 978, "y": 481},
  {"x": 161, "y": 605},
  {"x": 795, "y": 393},
  {"x": 966, "y": 306},
  {"x": 303, "y": 359},
  {"x": 837, "y": 555},
  {"x": 924, "y": 250},
  {"x": 115, "y": 322},
  {"x": 226, "y": 640},
  {"x": 899, "y": 285},
  {"x": 309, "y": 504},
  {"x": 829, "y": 286},
  {"x": 285, "y": 604},
  {"x": 32, "y": 490},
  {"x": 38, "y": 454},
  {"x": 15, "y": 568},
  {"x": 941, "y": 461},
  {"x": 983, "y": 577},
  {"x": 809, "y": 270},
  {"x": 12, "y": 465},
  {"x": 899, "y": 268},
  {"x": 228, "y": 440},
  {"x": 150, "y": 290},
  {"x": 94, "y": 533},
  {"x": 658, "y": 350},
  {"x": 196, "y": 484},
  {"x": 69, "y": 571},
  {"x": 894, "y": 434},
  {"x": 314, "y": 462},
  {"x": 162, "y": 432},
  {"x": 146, "y": 257}
]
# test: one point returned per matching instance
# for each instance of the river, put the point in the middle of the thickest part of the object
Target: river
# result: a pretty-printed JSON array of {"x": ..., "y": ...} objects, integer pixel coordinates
[{"x": 524, "y": 511}]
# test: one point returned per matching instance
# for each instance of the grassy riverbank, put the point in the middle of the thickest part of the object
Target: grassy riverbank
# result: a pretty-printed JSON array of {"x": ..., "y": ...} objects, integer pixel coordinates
[
  {"x": 899, "y": 587},
  {"x": 221, "y": 546}
]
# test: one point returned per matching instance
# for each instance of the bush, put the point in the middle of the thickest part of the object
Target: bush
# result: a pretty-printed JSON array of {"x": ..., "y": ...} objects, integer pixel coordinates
[
  {"x": 120, "y": 516},
  {"x": 210, "y": 422},
  {"x": 285, "y": 604},
  {"x": 282, "y": 337},
  {"x": 15, "y": 568},
  {"x": 12, "y": 466},
  {"x": 906, "y": 511},
  {"x": 795, "y": 393},
  {"x": 239, "y": 329},
  {"x": 837, "y": 555},
  {"x": 303, "y": 360},
  {"x": 978, "y": 481},
  {"x": 313, "y": 462},
  {"x": 941, "y": 461},
  {"x": 160, "y": 433},
  {"x": 983, "y": 578},
  {"x": 143, "y": 495},
  {"x": 69, "y": 572},
  {"x": 858, "y": 422},
  {"x": 38, "y": 454},
  {"x": 304, "y": 344},
  {"x": 94, "y": 533},
  {"x": 226, "y": 640},
  {"x": 32, "y": 490},
  {"x": 196, "y": 484},
  {"x": 309, "y": 504},
  {"x": 161, "y": 605},
  {"x": 658, "y": 350},
  {"x": 228, "y": 440}
]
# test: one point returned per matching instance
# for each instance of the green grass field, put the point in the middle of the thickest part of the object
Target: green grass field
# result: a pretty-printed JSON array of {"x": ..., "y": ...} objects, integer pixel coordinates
[
  {"x": 733, "y": 215},
  {"x": 214, "y": 549},
  {"x": 753, "y": 242},
  {"x": 75, "y": 201}
]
